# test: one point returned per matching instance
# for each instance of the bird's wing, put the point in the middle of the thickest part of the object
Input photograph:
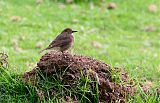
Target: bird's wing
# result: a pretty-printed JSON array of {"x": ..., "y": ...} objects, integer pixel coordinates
[
  {"x": 61, "y": 36},
  {"x": 60, "y": 41}
]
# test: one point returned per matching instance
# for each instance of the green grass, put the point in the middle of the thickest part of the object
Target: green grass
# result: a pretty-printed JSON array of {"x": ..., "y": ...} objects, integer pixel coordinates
[
  {"x": 120, "y": 32},
  {"x": 12, "y": 89}
]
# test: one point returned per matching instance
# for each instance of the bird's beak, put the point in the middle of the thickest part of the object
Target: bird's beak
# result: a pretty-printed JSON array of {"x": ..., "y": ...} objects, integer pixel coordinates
[{"x": 74, "y": 31}]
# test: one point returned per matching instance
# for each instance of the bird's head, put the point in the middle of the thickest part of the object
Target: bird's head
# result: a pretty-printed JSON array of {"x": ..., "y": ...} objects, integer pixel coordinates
[{"x": 69, "y": 31}]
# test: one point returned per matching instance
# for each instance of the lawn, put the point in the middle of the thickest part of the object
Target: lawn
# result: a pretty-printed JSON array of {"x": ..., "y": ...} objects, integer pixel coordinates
[{"x": 126, "y": 37}]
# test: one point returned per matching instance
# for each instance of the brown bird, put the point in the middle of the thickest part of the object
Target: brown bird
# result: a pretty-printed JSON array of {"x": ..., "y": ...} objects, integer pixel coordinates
[{"x": 63, "y": 41}]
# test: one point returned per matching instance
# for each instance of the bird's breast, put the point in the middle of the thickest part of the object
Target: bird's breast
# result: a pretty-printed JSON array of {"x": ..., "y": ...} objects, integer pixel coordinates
[{"x": 72, "y": 39}]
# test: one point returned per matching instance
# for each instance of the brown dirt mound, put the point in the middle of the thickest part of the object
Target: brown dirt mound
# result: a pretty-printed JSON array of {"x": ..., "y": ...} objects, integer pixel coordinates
[{"x": 71, "y": 67}]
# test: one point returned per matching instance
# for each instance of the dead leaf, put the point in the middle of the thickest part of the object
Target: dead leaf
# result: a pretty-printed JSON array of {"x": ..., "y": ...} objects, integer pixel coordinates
[
  {"x": 15, "y": 45},
  {"x": 14, "y": 42},
  {"x": 150, "y": 28},
  {"x": 39, "y": 44},
  {"x": 96, "y": 44},
  {"x": 71, "y": 100},
  {"x": 68, "y": 99},
  {"x": 39, "y": 2},
  {"x": 69, "y": 1},
  {"x": 152, "y": 8},
  {"x": 15, "y": 18},
  {"x": 146, "y": 86},
  {"x": 30, "y": 65},
  {"x": 18, "y": 49},
  {"x": 112, "y": 5},
  {"x": 40, "y": 94},
  {"x": 61, "y": 6}
]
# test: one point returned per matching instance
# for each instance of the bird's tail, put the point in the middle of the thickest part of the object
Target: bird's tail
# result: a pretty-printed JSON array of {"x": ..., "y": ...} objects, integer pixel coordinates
[{"x": 42, "y": 51}]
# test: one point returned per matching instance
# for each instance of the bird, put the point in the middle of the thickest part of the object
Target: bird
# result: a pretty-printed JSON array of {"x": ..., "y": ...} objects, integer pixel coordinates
[{"x": 63, "y": 41}]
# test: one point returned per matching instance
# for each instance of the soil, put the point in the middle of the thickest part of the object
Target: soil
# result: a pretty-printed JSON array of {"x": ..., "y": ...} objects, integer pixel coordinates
[{"x": 70, "y": 68}]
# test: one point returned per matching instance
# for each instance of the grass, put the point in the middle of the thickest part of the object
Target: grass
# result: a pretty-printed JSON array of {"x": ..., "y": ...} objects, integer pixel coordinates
[{"x": 120, "y": 33}]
